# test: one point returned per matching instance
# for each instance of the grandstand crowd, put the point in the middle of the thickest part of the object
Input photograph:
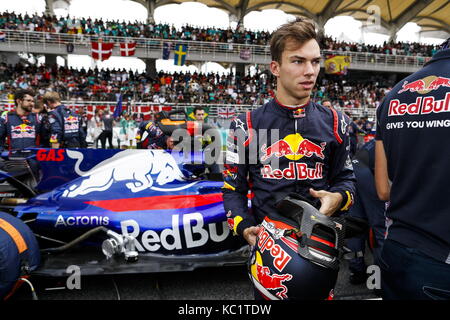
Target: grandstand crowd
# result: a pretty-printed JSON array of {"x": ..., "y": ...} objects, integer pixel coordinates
[
  {"x": 177, "y": 88},
  {"x": 100, "y": 27}
]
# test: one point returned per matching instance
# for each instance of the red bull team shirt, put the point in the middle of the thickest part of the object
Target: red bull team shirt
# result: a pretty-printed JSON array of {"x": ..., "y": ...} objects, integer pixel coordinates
[{"x": 414, "y": 124}]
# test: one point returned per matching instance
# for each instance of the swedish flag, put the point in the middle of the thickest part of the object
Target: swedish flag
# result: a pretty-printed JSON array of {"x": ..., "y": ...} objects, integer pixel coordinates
[{"x": 180, "y": 54}]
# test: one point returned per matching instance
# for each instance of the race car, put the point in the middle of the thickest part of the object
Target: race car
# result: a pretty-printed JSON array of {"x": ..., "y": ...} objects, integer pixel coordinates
[{"x": 119, "y": 211}]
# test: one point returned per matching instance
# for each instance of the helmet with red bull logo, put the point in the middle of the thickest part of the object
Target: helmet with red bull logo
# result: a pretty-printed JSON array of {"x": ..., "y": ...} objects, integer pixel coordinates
[
  {"x": 296, "y": 256},
  {"x": 279, "y": 272}
]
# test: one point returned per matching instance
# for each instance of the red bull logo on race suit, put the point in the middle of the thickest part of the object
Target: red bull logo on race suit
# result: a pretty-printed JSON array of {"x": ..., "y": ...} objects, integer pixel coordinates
[
  {"x": 71, "y": 124},
  {"x": 22, "y": 131},
  {"x": 293, "y": 147},
  {"x": 425, "y": 85}
]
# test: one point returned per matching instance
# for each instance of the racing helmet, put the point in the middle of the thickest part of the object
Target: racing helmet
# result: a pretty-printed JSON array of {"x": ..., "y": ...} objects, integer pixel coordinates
[{"x": 296, "y": 257}]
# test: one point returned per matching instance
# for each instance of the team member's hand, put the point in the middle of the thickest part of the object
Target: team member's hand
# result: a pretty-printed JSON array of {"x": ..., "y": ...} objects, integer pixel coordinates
[
  {"x": 250, "y": 235},
  {"x": 330, "y": 201},
  {"x": 170, "y": 143}
]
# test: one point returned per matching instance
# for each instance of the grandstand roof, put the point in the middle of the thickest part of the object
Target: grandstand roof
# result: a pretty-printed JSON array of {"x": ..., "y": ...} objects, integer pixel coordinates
[{"x": 429, "y": 14}]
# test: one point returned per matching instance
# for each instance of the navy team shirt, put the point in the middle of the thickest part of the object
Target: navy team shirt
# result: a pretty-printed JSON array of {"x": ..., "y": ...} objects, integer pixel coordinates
[{"x": 414, "y": 124}]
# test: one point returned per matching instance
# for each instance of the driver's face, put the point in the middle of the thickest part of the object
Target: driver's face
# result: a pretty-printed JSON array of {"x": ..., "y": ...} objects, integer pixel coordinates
[{"x": 200, "y": 115}]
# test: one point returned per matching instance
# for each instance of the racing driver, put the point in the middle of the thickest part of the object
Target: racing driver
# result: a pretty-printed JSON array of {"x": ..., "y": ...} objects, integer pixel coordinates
[{"x": 290, "y": 144}]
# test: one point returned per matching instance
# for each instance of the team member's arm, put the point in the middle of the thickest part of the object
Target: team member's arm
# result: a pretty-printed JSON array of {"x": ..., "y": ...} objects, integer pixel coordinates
[
  {"x": 341, "y": 179},
  {"x": 39, "y": 130},
  {"x": 3, "y": 132},
  {"x": 82, "y": 134},
  {"x": 56, "y": 130},
  {"x": 235, "y": 188},
  {"x": 381, "y": 172},
  {"x": 156, "y": 138},
  {"x": 382, "y": 182}
]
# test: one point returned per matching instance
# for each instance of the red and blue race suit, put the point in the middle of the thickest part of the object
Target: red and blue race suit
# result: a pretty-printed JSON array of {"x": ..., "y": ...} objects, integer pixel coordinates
[
  {"x": 155, "y": 138},
  {"x": 277, "y": 150},
  {"x": 20, "y": 131}
]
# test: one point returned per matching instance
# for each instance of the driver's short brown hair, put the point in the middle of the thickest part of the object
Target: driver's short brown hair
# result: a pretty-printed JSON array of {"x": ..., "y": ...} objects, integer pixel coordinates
[
  {"x": 299, "y": 31},
  {"x": 51, "y": 97}
]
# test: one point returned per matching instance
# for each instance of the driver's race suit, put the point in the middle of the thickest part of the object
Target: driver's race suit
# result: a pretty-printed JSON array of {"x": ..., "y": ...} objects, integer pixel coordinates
[
  {"x": 277, "y": 150},
  {"x": 154, "y": 139}
]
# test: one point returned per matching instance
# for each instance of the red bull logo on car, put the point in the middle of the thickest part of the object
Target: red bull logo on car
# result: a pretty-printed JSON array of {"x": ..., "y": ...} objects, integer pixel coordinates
[
  {"x": 425, "y": 85},
  {"x": 138, "y": 170},
  {"x": 23, "y": 131},
  {"x": 293, "y": 147}
]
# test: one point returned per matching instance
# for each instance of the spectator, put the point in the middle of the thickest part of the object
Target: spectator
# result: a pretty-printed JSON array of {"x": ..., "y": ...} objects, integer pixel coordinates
[
  {"x": 107, "y": 133},
  {"x": 98, "y": 27},
  {"x": 95, "y": 126}
]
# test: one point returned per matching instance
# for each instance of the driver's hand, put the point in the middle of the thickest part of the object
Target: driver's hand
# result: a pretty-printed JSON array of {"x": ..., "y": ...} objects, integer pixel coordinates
[
  {"x": 250, "y": 234},
  {"x": 330, "y": 201},
  {"x": 169, "y": 142}
]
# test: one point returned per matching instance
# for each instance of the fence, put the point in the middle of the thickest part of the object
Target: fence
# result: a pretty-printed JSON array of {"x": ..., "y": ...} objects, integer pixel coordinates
[
  {"x": 45, "y": 42},
  {"x": 215, "y": 111}
]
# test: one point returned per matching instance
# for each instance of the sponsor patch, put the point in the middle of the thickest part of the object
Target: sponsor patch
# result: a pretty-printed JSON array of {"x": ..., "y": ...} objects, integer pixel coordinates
[
  {"x": 232, "y": 157},
  {"x": 295, "y": 171}
]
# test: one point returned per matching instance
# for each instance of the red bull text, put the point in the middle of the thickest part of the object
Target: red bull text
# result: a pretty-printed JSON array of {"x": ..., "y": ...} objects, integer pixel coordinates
[
  {"x": 423, "y": 105},
  {"x": 266, "y": 242},
  {"x": 295, "y": 171}
]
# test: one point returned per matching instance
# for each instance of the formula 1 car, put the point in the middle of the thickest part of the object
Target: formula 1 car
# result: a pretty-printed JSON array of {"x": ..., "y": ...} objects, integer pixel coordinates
[
  {"x": 130, "y": 211},
  {"x": 119, "y": 211}
]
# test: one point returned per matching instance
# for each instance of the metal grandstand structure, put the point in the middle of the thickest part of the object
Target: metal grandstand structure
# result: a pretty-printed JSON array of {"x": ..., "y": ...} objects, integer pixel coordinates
[
  {"x": 430, "y": 15},
  {"x": 56, "y": 43},
  {"x": 149, "y": 108}
]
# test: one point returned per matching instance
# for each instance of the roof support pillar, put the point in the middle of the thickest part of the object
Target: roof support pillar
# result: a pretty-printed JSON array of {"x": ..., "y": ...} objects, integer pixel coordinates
[
  {"x": 150, "y": 6},
  {"x": 393, "y": 33},
  {"x": 49, "y": 7}
]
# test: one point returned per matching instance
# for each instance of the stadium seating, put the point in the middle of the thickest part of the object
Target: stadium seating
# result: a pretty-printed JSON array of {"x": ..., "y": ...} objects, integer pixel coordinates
[
  {"x": 88, "y": 26},
  {"x": 178, "y": 88}
]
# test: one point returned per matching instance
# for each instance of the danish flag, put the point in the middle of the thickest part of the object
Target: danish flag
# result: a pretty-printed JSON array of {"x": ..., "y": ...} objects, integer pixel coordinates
[
  {"x": 127, "y": 49},
  {"x": 101, "y": 51}
]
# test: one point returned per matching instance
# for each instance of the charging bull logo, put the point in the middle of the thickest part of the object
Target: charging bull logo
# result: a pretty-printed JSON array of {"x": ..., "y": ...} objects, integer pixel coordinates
[
  {"x": 293, "y": 147},
  {"x": 23, "y": 131},
  {"x": 135, "y": 167},
  {"x": 71, "y": 124},
  {"x": 425, "y": 85},
  {"x": 273, "y": 281}
]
